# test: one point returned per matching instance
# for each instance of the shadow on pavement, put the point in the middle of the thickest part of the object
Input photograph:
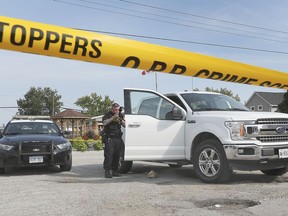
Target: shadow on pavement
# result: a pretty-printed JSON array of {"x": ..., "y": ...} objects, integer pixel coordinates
[{"x": 94, "y": 173}]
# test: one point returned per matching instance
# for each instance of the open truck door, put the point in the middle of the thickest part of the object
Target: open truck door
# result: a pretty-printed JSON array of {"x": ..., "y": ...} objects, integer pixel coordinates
[{"x": 154, "y": 127}]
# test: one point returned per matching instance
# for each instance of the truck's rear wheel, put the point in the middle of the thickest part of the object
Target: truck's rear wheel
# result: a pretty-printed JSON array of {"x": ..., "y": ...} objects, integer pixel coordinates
[
  {"x": 275, "y": 172},
  {"x": 125, "y": 166},
  {"x": 210, "y": 163}
]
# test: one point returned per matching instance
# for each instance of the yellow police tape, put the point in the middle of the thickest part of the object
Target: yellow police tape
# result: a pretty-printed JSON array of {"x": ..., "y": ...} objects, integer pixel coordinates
[{"x": 43, "y": 39}]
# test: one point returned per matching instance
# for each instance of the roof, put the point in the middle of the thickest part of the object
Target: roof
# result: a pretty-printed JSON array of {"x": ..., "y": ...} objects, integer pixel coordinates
[
  {"x": 97, "y": 118},
  {"x": 69, "y": 114},
  {"x": 273, "y": 98},
  {"x": 194, "y": 92},
  {"x": 30, "y": 120},
  {"x": 31, "y": 117}
]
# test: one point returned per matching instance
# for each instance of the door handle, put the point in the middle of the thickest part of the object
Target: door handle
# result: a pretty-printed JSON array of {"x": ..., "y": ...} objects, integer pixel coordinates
[{"x": 134, "y": 125}]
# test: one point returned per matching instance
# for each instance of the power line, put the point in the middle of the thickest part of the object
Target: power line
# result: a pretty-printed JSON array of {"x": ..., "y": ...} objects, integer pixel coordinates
[
  {"x": 185, "y": 25},
  {"x": 204, "y": 17},
  {"x": 185, "y": 41},
  {"x": 175, "y": 18},
  {"x": 168, "y": 39}
]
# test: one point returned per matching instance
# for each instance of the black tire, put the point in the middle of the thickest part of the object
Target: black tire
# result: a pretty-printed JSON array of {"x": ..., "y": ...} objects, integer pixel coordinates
[
  {"x": 125, "y": 166},
  {"x": 2, "y": 170},
  {"x": 68, "y": 164},
  {"x": 210, "y": 162},
  {"x": 275, "y": 172},
  {"x": 175, "y": 165}
]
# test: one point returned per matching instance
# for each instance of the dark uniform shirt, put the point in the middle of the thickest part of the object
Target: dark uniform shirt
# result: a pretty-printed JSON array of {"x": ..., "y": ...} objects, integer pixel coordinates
[{"x": 112, "y": 130}]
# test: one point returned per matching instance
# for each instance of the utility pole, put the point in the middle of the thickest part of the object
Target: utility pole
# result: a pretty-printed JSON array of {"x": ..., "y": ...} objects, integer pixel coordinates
[
  {"x": 156, "y": 81},
  {"x": 53, "y": 109},
  {"x": 192, "y": 83}
]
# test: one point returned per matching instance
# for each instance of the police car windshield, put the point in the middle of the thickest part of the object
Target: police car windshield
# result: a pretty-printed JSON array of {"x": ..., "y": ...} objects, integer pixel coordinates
[
  {"x": 212, "y": 102},
  {"x": 14, "y": 128}
]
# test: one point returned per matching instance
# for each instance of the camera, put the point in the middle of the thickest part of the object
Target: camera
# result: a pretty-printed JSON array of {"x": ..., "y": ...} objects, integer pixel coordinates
[
  {"x": 121, "y": 113},
  {"x": 121, "y": 116}
]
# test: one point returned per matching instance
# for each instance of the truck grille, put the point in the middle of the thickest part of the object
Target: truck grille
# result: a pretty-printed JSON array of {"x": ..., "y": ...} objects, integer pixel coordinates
[
  {"x": 273, "y": 121},
  {"x": 272, "y": 130},
  {"x": 273, "y": 139}
]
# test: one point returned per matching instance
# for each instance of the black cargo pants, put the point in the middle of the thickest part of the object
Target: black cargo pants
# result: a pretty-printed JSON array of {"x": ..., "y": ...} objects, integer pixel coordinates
[{"x": 112, "y": 151}]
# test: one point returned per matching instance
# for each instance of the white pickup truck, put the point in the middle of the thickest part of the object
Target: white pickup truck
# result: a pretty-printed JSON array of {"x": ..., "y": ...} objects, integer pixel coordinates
[{"x": 212, "y": 131}]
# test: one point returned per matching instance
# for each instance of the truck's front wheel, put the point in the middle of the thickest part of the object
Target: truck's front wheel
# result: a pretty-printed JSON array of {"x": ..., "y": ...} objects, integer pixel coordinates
[{"x": 210, "y": 163}]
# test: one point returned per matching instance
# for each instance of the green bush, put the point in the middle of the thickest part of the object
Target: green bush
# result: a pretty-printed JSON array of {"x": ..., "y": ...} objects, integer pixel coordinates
[
  {"x": 98, "y": 145},
  {"x": 82, "y": 147},
  {"x": 79, "y": 144}
]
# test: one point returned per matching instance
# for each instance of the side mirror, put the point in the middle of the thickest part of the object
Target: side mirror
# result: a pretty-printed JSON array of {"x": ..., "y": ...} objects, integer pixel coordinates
[{"x": 177, "y": 113}]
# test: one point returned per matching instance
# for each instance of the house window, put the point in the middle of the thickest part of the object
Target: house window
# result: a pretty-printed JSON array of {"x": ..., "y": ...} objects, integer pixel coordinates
[
  {"x": 252, "y": 108},
  {"x": 260, "y": 107}
]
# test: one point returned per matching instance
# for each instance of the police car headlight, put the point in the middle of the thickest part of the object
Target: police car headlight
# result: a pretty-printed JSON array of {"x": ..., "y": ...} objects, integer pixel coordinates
[
  {"x": 6, "y": 147},
  {"x": 66, "y": 145}
]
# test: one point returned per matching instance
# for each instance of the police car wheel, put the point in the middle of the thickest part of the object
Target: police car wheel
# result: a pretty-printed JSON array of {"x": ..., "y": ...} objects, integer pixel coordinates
[{"x": 68, "y": 164}]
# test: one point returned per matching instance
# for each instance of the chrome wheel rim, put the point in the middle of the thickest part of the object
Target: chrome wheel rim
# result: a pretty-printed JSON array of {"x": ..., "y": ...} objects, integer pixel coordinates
[{"x": 209, "y": 162}]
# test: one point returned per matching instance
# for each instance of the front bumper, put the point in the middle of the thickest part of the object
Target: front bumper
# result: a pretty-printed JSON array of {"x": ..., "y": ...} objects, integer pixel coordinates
[
  {"x": 255, "y": 157},
  {"x": 52, "y": 156}
]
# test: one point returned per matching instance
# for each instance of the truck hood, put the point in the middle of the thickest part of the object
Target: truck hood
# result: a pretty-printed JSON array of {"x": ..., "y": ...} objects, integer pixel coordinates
[{"x": 242, "y": 115}]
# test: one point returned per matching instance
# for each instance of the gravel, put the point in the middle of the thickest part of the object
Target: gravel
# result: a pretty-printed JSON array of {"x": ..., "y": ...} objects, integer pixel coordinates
[{"x": 174, "y": 191}]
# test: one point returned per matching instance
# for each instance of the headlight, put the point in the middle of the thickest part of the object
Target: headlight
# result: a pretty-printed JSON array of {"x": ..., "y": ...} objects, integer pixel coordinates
[
  {"x": 237, "y": 130},
  {"x": 242, "y": 130},
  {"x": 66, "y": 145},
  {"x": 6, "y": 147}
]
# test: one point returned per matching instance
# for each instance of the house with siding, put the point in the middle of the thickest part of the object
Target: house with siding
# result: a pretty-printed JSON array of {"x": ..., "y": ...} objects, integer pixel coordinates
[{"x": 265, "y": 101}]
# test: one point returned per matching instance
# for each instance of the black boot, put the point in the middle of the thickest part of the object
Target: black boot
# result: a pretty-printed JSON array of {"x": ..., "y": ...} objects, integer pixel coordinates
[
  {"x": 115, "y": 174},
  {"x": 108, "y": 174}
]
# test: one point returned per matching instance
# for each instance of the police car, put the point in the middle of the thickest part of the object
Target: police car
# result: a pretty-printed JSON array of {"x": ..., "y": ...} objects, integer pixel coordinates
[{"x": 33, "y": 143}]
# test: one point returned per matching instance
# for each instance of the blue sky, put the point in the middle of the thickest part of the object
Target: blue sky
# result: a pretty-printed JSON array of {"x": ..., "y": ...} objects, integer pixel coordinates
[{"x": 74, "y": 79}]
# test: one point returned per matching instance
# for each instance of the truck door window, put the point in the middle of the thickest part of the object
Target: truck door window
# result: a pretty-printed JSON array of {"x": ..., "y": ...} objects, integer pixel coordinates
[
  {"x": 144, "y": 103},
  {"x": 147, "y": 103},
  {"x": 149, "y": 107}
]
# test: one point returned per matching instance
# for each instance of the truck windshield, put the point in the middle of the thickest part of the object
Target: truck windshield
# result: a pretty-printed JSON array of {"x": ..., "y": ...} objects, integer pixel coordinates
[
  {"x": 31, "y": 128},
  {"x": 212, "y": 102}
]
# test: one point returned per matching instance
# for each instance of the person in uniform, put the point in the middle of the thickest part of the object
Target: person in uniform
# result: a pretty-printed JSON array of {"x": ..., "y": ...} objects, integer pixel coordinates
[{"x": 112, "y": 122}]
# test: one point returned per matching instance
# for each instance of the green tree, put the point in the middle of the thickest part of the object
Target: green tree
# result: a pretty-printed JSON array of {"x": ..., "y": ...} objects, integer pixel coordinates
[
  {"x": 40, "y": 101},
  {"x": 283, "y": 106},
  {"x": 94, "y": 105},
  {"x": 224, "y": 91}
]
